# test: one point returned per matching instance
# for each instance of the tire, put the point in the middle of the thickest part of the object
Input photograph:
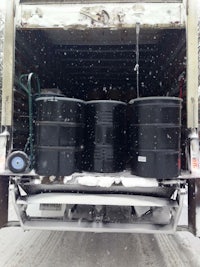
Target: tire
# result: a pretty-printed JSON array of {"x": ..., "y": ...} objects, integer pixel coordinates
[{"x": 18, "y": 162}]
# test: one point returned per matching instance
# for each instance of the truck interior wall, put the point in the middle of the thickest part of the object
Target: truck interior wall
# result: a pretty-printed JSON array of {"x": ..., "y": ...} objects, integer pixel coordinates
[
  {"x": 82, "y": 69},
  {"x": 33, "y": 54},
  {"x": 100, "y": 65}
]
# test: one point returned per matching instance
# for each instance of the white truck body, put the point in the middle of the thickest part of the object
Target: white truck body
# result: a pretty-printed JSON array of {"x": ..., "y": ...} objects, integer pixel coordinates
[{"x": 44, "y": 37}]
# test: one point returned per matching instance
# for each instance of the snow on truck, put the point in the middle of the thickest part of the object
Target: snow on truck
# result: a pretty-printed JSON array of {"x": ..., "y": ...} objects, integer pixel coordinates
[{"x": 99, "y": 118}]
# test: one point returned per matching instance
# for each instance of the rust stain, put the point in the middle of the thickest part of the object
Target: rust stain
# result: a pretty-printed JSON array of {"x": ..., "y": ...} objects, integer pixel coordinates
[{"x": 96, "y": 14}]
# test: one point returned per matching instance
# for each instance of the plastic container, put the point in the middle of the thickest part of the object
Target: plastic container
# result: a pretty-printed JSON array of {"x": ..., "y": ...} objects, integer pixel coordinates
[
  {"x": 105, "y": 138},
  {"x": 154, "y": 136},
  {"x": 59, "y": 135}
]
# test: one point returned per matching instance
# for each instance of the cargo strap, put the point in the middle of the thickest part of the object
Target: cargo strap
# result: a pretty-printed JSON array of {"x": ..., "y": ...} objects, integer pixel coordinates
[{"x": 137, "y": 56}]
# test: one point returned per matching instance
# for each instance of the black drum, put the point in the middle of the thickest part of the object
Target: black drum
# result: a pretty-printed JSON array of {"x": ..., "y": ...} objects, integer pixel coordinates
[
  {"x": 105, "y": 138},
  {"x": 154, "y": 136},
  {"x": 59, "y": 135}
]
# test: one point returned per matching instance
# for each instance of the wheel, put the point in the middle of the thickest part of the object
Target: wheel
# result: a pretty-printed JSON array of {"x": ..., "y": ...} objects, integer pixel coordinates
[{"x": 18, "y": 162}]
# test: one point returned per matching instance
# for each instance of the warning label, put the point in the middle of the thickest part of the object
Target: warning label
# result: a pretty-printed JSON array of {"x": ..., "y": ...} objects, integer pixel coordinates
[{"x": 142, "y": 159}]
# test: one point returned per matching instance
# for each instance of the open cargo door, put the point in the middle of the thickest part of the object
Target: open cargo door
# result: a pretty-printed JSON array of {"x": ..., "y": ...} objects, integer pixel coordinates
[
  {"x": 194, "y": 206},
  {"x": 3, "y": 201}
]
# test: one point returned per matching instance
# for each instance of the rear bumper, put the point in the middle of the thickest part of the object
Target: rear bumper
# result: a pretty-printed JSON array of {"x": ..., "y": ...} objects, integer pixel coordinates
[{"x": 144, "y": 208}]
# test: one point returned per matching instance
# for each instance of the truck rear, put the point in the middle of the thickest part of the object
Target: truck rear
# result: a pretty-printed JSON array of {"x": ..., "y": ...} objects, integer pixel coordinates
[{"x": 100, "y": 115}]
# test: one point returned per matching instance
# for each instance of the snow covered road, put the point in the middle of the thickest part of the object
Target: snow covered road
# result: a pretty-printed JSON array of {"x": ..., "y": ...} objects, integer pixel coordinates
[{"x": 50, "y": 249}]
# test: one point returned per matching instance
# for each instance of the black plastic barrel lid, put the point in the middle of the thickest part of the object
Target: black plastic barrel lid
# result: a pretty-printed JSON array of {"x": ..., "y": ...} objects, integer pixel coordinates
[
  {"x": 60, "y": 109},
  {"x": 155, "y": 110}
]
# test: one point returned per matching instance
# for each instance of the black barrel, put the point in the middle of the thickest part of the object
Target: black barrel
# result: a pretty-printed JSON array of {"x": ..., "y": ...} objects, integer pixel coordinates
[
  {"x": 59, "y": 135},
  {"x": 154, "y": 136},
  {"x": 105, "y": 139}
]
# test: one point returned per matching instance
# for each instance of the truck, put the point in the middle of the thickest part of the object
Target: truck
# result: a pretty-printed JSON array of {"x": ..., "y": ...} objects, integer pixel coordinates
[{"x": 99, "y": 115}]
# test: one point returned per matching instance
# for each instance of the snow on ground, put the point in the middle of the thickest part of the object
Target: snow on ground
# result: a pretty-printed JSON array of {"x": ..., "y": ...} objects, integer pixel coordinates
[
  {"x": 46, "y": 249},
  {"x": 191, "y": 246}
]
